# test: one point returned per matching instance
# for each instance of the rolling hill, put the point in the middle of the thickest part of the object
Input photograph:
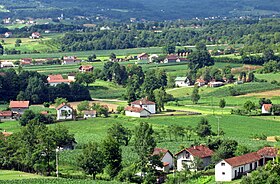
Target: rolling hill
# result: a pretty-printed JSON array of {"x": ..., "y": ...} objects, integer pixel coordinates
[{"x": 147, "y": 9}]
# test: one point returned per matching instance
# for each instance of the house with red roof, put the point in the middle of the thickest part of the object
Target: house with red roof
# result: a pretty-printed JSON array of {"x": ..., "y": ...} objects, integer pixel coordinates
[
  {"x": 137, "y": 112},
  {"x": 266, "y": 108},
  {"x": 25, "y": 61},
  {"x": 86, "y": 68},
  {"x": 6, "y": 115},
  {"x": 54, "y": 80},
  {"x": 174, "y": 59},
  {"x": 200, "y": 82},
  {"x": 18, "y": 107},
  {"x": 145, "y": 104},
  {"x": 236, "y": 167},
  {"x": 187, "y": 156},
  {"x": 89, "y": 114},
  {"x": 166, "y": 157},
  {"x": 64, "y": 112},
  {"x": 70, "y": 60},
  {"x": 143, "y": 56}
]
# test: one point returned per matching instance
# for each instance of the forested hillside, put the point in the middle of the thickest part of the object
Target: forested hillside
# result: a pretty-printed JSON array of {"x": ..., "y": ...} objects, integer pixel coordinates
[{"x": 148, "y": 9}]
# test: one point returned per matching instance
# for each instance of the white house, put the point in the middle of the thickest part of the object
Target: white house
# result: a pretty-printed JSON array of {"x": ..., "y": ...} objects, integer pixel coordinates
[
  {"x": 166, "y": 157},
  {"x": 7, "y": 64},
  {"x": 187, "y": 156},
  {"x": 182, "y": 81},
  {"x": 266, "y": 108},
  {"x": 236, "y": 167},
  {"x": 214, "y": 84},
  {"x": 64, "y": 112},
  {"x": 136, "y": 112},
  {"x": 200, "y": 82},
  {"x": 18, "y": 107},
  {"x": 8, "y": 34},
  {"x": 146, "y": 104},
  {"x": 35, "y": 35},
  {"x": 89, "y": 114},
  {"x": 174, "y": 59},
  {"x": 54, "y": 80},
  {"x": 70, "y": 60},
  {"x": 71, "y": 77}
]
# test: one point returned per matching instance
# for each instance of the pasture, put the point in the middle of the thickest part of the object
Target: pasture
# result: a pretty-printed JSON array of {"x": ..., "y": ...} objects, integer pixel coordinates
[
  {"x": 269, "y": 76},
  {"x": 16, "y": 175}
]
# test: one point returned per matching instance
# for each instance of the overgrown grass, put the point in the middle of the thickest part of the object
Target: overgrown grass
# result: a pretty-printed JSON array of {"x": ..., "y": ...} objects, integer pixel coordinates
[
  {"x": 12, "y": 175},
  {"x": 106, "y": 90}
]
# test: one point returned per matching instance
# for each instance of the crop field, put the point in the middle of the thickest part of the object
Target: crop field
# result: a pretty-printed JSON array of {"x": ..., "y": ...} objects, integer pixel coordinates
[
  {"x": 269, "y": 76},
  {"x": 56, "y": 181},
  {"x": 30, "y": 45},
  {"x": 106, "y": 90},
  {"x": 118, "y": 52}
]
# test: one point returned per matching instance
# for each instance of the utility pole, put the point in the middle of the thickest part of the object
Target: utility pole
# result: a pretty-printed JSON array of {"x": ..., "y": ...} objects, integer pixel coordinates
[
  {"x": 218, "y": 117},
  {"x": 57, "y": 158}
]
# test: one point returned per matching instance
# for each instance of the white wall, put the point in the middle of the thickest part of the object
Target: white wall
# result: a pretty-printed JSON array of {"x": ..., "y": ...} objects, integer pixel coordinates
[
  {"x": 137, "y": 114},
  {"x": 181, "y": 83},
  {"x": 223, "y": 172},
  {"x": 150, "y": 108},
  {"x": 89, "y": 116},
  {"x": 60, "y": 115},
  {"x": 169, "y": 159},
  {"x": 184, "y": 156},
  {"x": 19, "y": 110}
]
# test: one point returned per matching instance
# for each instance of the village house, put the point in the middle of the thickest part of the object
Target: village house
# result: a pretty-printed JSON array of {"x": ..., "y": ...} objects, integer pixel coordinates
[
  {"x": 166, "y": 157},
  {"x": 64, "y": 112},
  {"x": 137, "y": 112},
  {"x": 186, "y": 157},
  {"x": 266, "y": 108},
  {"x": 87, "y": 68},
  {"x": 18, "y": 107},
  {"x": 35, "y": 35},
  {"x": 174, "y": 59},
  {"x": 6, "y": 115},
  {"x": 71, "y": 77},
  {"x": 200, "y": 82},
  {"x": 236, "y": 167},
  {"x": 182, "y": 81},
  {"x": 26, "y": 61},
  {"x": 54, "y": 80},
  {"x": 89, "y": 114},
  {"x": 7, "y": 64},
  {"x": 215, "y": 84},
  {"x": 146, "y": 104},
  {"x": 70, "y": 60},
  {"x": 143, "y": 56},
  {"x": 8, "y": 34}
]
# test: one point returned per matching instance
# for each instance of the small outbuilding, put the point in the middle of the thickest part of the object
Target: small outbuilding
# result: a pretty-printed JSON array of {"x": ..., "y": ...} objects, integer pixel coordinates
[
  {"x": 18, "y": 107},
  {"x": 90, "y": 114}
]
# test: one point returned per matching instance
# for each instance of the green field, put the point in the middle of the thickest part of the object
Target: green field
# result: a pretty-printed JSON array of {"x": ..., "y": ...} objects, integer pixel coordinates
[
  {"x": 106, "y": 90},
  {"x": 12, "y": 175},
  {"x": 269, "y": 76}
]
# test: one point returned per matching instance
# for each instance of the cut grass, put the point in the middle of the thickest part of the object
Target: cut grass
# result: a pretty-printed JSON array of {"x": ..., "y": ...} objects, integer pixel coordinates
[
  {"x": 16, "y": 175},
  {"x": 269, "y": 76}
]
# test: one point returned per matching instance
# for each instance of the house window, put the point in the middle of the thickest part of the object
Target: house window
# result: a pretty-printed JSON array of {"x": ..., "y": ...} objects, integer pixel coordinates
[
  {"x": 223, "y": 164},
  {"x": 223, "y": 173}
]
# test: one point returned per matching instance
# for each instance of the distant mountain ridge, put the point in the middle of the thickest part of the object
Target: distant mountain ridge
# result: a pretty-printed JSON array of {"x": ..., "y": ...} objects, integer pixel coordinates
[{"x": 146, "y": 9}]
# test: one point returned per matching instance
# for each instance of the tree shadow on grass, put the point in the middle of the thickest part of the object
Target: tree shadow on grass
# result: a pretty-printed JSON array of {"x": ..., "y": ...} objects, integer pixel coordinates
[{"x": 98, "y": 88}]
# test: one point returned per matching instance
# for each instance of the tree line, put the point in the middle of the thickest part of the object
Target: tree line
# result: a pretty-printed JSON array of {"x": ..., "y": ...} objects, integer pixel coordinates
[{"x": 27, "y": 85}]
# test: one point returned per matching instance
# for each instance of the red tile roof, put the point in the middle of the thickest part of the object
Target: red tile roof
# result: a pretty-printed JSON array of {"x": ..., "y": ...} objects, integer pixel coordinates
[
  {"x": 26, "y": 59},
  {"x": 268, "y": 152},
  {"x": 243, "y": 159},
  {"x": 142, "y": 55},
  {"x": 87, "y": 67},
  {"x": 62, "y": 105},
  {"x": 143, "y": 101},
  {"x": 7, "y": 134},
  {"x": 134, "y": 109},
  {"x": 6, "y": 114},
  {"x": 161, "y": 152},
  {"x": 165, "y": 164},
  {"x": 267, "y": 107},
  {"x": 19, "y": 104},
  {"x": 200, "y": 151},
  {"x": 90, "y": 112},
  {"x": 56, "y": 79},
  {"x": 200, "y": 80},
  {"x": 172, "y": 57}
]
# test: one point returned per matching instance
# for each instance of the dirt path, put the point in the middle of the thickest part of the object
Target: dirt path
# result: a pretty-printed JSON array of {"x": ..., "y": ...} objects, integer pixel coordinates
[{"x": 271, "y": 93}]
